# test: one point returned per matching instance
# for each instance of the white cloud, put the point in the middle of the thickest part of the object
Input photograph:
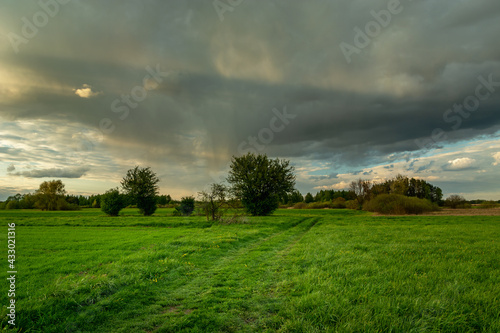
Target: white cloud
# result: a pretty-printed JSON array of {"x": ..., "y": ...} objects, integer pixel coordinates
[
  {"x": 460, "y": 163},
  {"x": 343, "y": 185},
  {"x": 496, "y": 156},
  {"x": 86, "y": 92}
]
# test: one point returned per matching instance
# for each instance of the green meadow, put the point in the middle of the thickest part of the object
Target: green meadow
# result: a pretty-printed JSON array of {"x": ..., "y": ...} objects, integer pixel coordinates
[{"x": 294, "y": 271}]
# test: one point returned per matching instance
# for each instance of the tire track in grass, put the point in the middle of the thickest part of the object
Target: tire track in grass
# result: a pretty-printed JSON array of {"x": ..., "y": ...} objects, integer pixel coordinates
[
  {"x": 241, "y": 255},
  {"x": 241, "y": 284}
]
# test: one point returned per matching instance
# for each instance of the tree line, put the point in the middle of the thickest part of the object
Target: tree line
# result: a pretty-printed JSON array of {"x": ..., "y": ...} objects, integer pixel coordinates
[
  {"x": 52, "y": 196},
  {"x": 257, "y": 184}
]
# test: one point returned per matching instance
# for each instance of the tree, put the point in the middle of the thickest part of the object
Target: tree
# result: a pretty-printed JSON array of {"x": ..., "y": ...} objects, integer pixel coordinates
[
  {"x": 163, "y": 199},
  {"x": 12, "y": 204},
  {"x": 309, "y": 198},
  {"x": 112, "y": 202},
  {"x": 186, "y": 207},
  {"x": 362, "y": 189},
  {"x": 296, "y": 197},
  {"x": 49, "y": 194},
  {"x": 28, "y": 201},
  {"x": 140, "y": 184},
  {"x": 259, "y": 182},
  {"x": 455, "y": 201},
  {"x": 214, "y": 201},
  {"x": 400, "y": 185}
]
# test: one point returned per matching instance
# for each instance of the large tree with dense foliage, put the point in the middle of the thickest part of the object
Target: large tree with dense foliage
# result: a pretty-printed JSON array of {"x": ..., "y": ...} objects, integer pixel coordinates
[
  {"x": 141, "y": 185},
  {"x": 50, "y": 195},
  {"x": 259, "y": 182}
]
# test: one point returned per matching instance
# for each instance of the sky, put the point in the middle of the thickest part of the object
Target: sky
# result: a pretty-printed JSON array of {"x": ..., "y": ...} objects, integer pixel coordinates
[{"x": 344, "y": 89}]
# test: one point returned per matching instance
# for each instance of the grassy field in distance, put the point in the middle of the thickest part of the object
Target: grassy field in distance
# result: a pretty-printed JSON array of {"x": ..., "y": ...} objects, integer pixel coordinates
[{"x": 294, "y": 271}]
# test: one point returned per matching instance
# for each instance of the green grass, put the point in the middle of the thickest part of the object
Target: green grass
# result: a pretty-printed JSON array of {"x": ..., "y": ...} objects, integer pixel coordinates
[{"x": 295, "y": 271}]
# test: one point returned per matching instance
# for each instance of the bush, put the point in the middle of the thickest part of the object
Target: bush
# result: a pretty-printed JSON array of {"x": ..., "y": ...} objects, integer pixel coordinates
[
  {"x": 300, "y": 205},
  {"x": 112, "y": 202},
  {"x": 397, "y": 204},
  {"x": 339, "y": 203},
  {"x": 456, "y": 201},
  {"x": 319, "y": 205},
  {"x": 488, "y": 205},
  {"x": 186, "y": 207},
  {"x": 64, "y": 205},
  {"x": 352, "y": 204}
]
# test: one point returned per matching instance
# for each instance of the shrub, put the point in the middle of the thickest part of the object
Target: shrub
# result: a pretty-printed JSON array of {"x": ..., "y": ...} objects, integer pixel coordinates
[
  {"x": 352, "y": 204},
  {"x": 300, "y": 205},
  {"x": 112, "y": 202},
  {"x": 64, "y": 205},
  {"x": 319, "y": 205},
  {"x": 397, "y": 204},
  {"x": 488, "y": 205},
  {"x": 338, "y": 203},
  {"x": 186, "y": 207}
]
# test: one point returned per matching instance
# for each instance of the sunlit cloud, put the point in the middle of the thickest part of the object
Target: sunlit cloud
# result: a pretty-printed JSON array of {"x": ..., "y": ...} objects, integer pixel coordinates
[
  {"x": 460, "y": 164},
  {"x": 86, "y": 92},
  {"x": 496, "y": 156}
]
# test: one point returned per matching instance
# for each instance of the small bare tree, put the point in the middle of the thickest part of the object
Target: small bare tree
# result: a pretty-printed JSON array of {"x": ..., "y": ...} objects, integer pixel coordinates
[
  {"x": 218, "y": 201},
  {"x": 214, "y": 201}
]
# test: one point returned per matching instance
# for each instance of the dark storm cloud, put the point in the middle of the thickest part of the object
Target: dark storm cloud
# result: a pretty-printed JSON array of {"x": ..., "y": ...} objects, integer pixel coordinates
[
  {"x": 55, "y": 172},
  {"x": 425, "y": 167},
  {"x": 225, "y": 78}
]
